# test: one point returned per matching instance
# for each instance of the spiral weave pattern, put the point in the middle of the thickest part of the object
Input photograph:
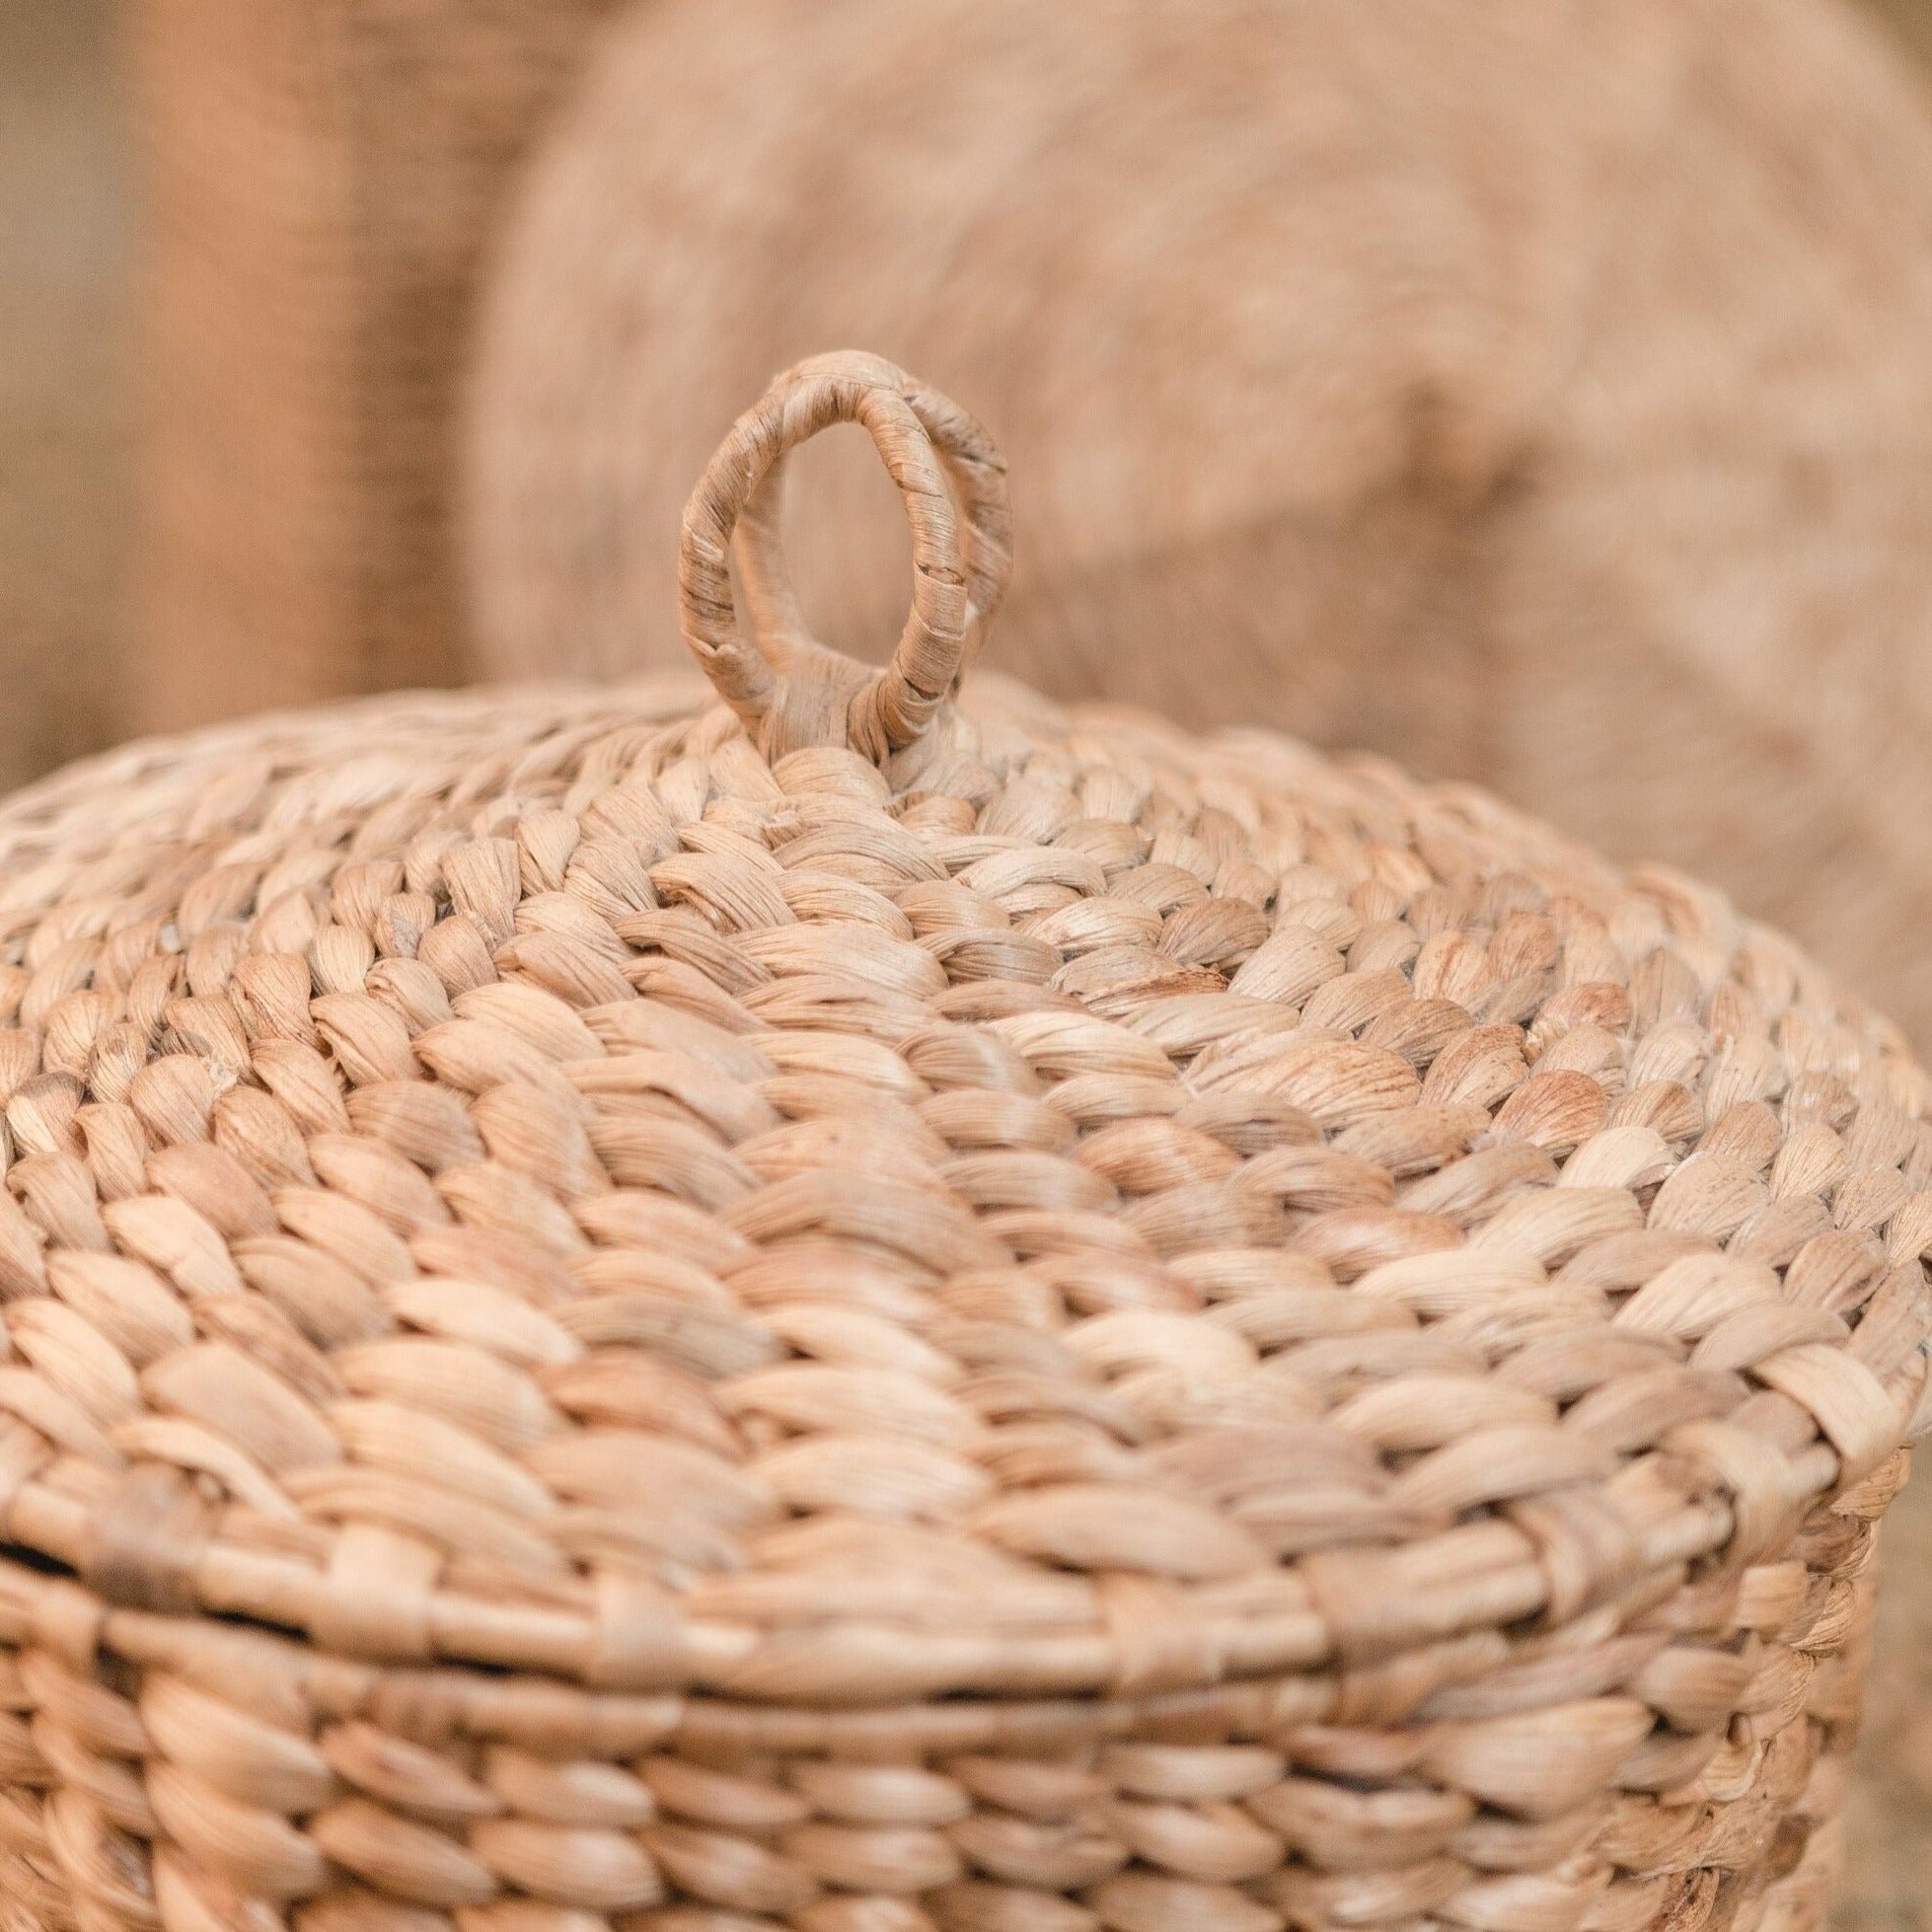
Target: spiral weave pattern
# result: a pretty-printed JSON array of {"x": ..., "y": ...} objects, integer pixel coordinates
[{"x": 1092, "y": 1329}]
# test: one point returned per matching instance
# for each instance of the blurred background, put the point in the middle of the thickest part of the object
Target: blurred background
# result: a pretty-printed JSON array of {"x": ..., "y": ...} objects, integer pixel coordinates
[{"x": 1549, "y": 404}]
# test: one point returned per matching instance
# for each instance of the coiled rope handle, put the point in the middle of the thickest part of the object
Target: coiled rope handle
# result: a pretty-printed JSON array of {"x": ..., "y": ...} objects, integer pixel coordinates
[{"x": 790, "y": 690}]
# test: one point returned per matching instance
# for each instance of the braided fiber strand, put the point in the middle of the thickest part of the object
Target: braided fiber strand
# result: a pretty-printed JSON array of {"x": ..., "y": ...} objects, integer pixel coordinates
[{"x": 787, "y": 689}]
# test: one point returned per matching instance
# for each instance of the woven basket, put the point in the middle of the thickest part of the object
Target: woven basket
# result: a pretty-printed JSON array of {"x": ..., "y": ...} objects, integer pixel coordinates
[
  {"x": 322, "y": 179},
  {"x": 846, "y": 1310},
  {"x": 1535, "y": 393}
]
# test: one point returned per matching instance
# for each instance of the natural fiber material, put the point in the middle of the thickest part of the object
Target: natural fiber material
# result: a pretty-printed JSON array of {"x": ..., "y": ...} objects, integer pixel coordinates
[
  {"x": 1535, "y": 393},
  {"x": 623, "y": 1315}
]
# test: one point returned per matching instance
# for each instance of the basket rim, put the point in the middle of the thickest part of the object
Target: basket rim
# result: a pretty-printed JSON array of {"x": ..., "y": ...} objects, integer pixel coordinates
[{"x": 1502, "y": 1578}]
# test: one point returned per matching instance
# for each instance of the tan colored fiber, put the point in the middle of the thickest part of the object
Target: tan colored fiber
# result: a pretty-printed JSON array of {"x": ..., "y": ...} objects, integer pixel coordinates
[{"x": 623, "y": 1316}]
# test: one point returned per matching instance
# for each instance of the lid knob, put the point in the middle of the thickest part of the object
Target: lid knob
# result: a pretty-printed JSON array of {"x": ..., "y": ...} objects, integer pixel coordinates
[{"x": 790, "y": 690}]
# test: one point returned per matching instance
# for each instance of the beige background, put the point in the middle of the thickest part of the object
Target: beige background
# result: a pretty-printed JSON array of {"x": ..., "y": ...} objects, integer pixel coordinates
[
  {"x": 69, "y": 416},
  {"x": 66, "y": 229}
]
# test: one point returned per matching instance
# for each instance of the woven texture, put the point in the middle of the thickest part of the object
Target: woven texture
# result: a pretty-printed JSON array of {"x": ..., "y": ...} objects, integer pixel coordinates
[
  {"x": 1534, "y": 394},
  {"x": 619, "y": 1315}
]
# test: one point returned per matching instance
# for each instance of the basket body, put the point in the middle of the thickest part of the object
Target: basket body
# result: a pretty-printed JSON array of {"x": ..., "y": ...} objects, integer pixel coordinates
[{"x": 1092, "y": 1329}]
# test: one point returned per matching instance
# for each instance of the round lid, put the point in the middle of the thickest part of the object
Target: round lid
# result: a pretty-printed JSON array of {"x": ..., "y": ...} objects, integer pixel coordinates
[{"x": 852, "y": 1194}]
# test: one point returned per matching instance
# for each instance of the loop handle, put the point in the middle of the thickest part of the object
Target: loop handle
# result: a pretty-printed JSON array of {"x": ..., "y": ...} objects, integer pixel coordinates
[{"x": 790, "y": 690}]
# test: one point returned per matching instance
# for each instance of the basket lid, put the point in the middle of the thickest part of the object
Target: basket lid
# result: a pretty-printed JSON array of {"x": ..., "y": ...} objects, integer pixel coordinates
[{"x": 854, "y": 1194}]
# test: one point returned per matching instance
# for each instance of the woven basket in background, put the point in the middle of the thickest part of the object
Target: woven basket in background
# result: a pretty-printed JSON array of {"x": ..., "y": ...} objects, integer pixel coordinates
[
  {"x": 321, "y": 178},
  {"x": 1535, "y": 393},
  {"x": 842, "y": 1311}
]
